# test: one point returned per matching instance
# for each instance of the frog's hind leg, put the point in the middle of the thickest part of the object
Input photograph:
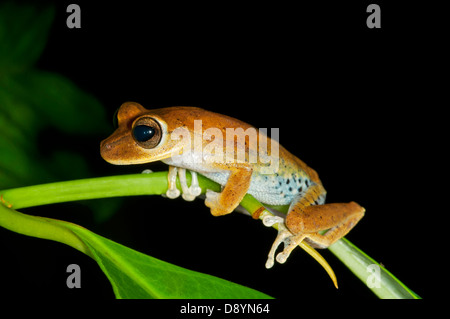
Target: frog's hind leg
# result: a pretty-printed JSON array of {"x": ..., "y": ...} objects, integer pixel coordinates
[
  {"x": 305, "y": 220},
  {"x": 337, "y": 219}
]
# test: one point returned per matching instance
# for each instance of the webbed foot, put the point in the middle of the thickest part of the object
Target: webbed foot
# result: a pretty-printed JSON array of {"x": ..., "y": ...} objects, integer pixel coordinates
[{"x": 284, "y": 236}]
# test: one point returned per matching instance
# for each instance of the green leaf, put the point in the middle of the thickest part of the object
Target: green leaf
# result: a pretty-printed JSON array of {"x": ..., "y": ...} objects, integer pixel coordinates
[
  {"x": 27, "y": 108},
  {"x": 23, "y": 35},
  {"x": 33, "y": 101},
  {"x": 53, "y": 100},
  {"x": 136, "y": 275},
  {"x": 131, "y": 273}
]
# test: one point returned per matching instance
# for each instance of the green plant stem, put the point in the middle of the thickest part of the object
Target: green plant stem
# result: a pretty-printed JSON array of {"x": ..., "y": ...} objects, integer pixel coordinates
[
  {"x": 92, "y": 188},
  {"x": 381, "y": 282},
  {"x": 153, "y": 184}
]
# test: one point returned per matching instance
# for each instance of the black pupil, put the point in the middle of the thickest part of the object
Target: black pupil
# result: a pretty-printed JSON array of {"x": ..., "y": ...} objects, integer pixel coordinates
[{"x": 143, "y": 133}]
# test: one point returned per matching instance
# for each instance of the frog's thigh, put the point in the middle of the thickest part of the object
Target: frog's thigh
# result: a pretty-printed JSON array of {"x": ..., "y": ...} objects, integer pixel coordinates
[
  {"x": 338, "y": 218},
  {"x": 232, "y": 194}
]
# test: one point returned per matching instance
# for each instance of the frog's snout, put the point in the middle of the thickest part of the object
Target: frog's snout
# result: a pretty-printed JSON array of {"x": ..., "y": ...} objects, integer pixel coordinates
[{"x": 110, "y": 151}]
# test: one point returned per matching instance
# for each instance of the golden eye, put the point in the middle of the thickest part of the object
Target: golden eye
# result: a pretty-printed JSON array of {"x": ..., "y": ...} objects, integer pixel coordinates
[{"x": 147, "y": 132}]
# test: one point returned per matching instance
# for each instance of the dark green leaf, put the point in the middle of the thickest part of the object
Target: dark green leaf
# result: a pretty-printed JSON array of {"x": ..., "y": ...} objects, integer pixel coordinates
[
  {"x": 58, "y": 102},
  {"x": 136, "y": 275},
  {"x": 131, "y": 273},
  {"x": 23, "y": 35}
]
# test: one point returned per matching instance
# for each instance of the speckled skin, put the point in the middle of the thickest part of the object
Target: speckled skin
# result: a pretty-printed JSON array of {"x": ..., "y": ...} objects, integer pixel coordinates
[
  {"x": 292, "y": 183},
  {"x": 276, "y": 189}
]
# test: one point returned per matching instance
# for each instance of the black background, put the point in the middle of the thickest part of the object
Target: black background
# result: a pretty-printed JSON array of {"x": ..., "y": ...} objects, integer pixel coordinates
[{"x": 348, "y": 100}]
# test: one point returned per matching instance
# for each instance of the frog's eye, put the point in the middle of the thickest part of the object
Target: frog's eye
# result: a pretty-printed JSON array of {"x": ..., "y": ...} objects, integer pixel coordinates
[
  {"x": 147, "y": 132},
  {"x": 142, "y": 133}
]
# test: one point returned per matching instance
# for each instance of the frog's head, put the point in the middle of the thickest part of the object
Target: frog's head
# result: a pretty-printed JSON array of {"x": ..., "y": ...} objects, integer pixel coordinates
[{"x": 142, "y": 136}]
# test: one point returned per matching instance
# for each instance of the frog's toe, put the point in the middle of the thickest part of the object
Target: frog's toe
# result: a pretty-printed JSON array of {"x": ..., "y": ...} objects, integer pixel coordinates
[
  {"x": 213, "y": 201},
  {"x": 188, "y": 197},
  {"x": 289, "y": 245},
  {"x": 212, "y": 198},
  {"x": 195, "y": 190},
  {"x": 270, "y": 220},
  {"x": 191, "y": 192},
  {"x": 283, "y": 233},
  {"x": 172, "y": 193},
  {"x": 284, "y": 236}
]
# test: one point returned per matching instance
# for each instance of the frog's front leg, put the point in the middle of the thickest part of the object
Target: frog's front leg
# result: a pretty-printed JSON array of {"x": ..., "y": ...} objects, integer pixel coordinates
[
  {"x": 232, "y": 194},
  {"x": 189, "y": 192},
  {"x": 305, "y": 220},
  {"x": 172, "y": 190}
]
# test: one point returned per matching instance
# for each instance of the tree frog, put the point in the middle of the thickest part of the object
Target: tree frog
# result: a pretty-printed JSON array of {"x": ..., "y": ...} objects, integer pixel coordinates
[{"x": 200, "y": 141}]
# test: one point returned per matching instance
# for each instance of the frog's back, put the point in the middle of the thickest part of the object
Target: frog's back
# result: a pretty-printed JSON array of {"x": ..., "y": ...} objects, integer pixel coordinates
[
  {"x": 290, "y": 177},
  {"x": 185, "y": 116}
]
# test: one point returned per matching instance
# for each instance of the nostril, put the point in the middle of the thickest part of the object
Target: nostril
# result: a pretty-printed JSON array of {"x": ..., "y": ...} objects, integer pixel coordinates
[{"x": 105, "y": 145}]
